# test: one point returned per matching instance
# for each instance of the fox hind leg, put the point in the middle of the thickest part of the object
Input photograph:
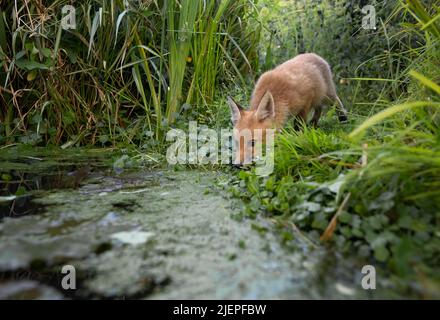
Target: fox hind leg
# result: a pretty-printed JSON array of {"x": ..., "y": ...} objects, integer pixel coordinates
[{"x": 316, "y": 116}]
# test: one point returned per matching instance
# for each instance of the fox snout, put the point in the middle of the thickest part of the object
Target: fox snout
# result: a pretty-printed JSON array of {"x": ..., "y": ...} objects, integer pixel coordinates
[{"x": 244, "y": 153}]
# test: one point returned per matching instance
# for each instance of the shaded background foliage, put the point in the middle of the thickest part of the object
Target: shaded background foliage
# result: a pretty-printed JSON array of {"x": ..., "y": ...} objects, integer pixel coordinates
[{"x": 333, "y": 29}]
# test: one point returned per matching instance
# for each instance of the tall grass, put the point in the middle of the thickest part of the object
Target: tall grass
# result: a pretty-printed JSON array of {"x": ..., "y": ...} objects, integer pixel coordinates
[
  {"x": 411, "y": 151},
  {"x": 123, "y": 74},
  {"x": 180, "y": 35}
]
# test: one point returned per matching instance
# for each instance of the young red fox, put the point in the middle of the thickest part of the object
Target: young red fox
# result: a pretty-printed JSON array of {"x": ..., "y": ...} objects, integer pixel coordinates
[{"x": 294, "y": 88}]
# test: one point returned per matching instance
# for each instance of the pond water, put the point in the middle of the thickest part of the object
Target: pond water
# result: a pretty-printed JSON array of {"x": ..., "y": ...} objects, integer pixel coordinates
[{"x": 148, "y": 233}]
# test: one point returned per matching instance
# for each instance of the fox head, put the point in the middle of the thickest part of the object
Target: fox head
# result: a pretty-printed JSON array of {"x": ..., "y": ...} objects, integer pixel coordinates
[{"x": 250, "y": 127}]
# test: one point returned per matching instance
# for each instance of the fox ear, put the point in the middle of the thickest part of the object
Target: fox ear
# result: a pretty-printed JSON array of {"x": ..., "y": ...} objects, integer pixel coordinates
[
  {"x": 235, "y": 110},
  {"x": 266, "y": 108}
]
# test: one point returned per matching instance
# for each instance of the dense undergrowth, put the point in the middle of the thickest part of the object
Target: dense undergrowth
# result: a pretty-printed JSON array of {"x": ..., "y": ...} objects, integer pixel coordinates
[
  {"x": 372, "y": 187},
  {"x": 124, "y": 74}
]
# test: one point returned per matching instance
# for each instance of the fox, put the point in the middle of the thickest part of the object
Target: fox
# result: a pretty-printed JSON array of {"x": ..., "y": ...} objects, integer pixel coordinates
[{"x": 294, "y": 88}]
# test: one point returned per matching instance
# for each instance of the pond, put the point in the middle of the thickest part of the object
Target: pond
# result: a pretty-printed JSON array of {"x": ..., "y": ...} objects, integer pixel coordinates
[{"x": 153, "y": 233}]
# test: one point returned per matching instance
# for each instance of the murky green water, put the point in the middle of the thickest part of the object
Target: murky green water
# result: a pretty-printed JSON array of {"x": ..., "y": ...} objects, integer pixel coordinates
[{"x": 148, "y": 233}]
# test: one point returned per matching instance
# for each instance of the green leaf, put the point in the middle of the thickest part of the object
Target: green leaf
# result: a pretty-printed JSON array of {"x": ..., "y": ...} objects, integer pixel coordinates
[
  {"x": 30, "y": 65},
  {"x": 243, "y": 175},
  {"x": 319, "y": 221},
  {"x": 32, "y": 75},
  {"x": 6, "y": 177},
  {"x": 270, "y": 184},
  {"x": 311, "y": 206},
  {"x": 20, "y": 191},
  {"x": 344, "y": 217},
  {"x": 46, "y": 52},
  {"x": 374, "y": 222},
  {"x": 357, "y": 233},
  {"x": 405, "y": 221}
]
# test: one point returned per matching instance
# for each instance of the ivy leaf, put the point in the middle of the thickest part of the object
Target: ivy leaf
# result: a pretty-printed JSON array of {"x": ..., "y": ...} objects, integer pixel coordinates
[
  {"x": 384, "y": 202},
  {"x": 270, "y": 184},
  {"x": 374, "y": 222},
  {"x": 381, "y": 253},
  {"x": 311, "y": 206},
  {"x": 345, "y": 217},
  {"x": 319, "y": 221}
]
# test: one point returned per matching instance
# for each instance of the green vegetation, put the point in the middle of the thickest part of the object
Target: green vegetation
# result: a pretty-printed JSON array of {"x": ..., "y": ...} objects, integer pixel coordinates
[
  {"x": 124, "y": 74},
  {"x": 370, "y": 188}
]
